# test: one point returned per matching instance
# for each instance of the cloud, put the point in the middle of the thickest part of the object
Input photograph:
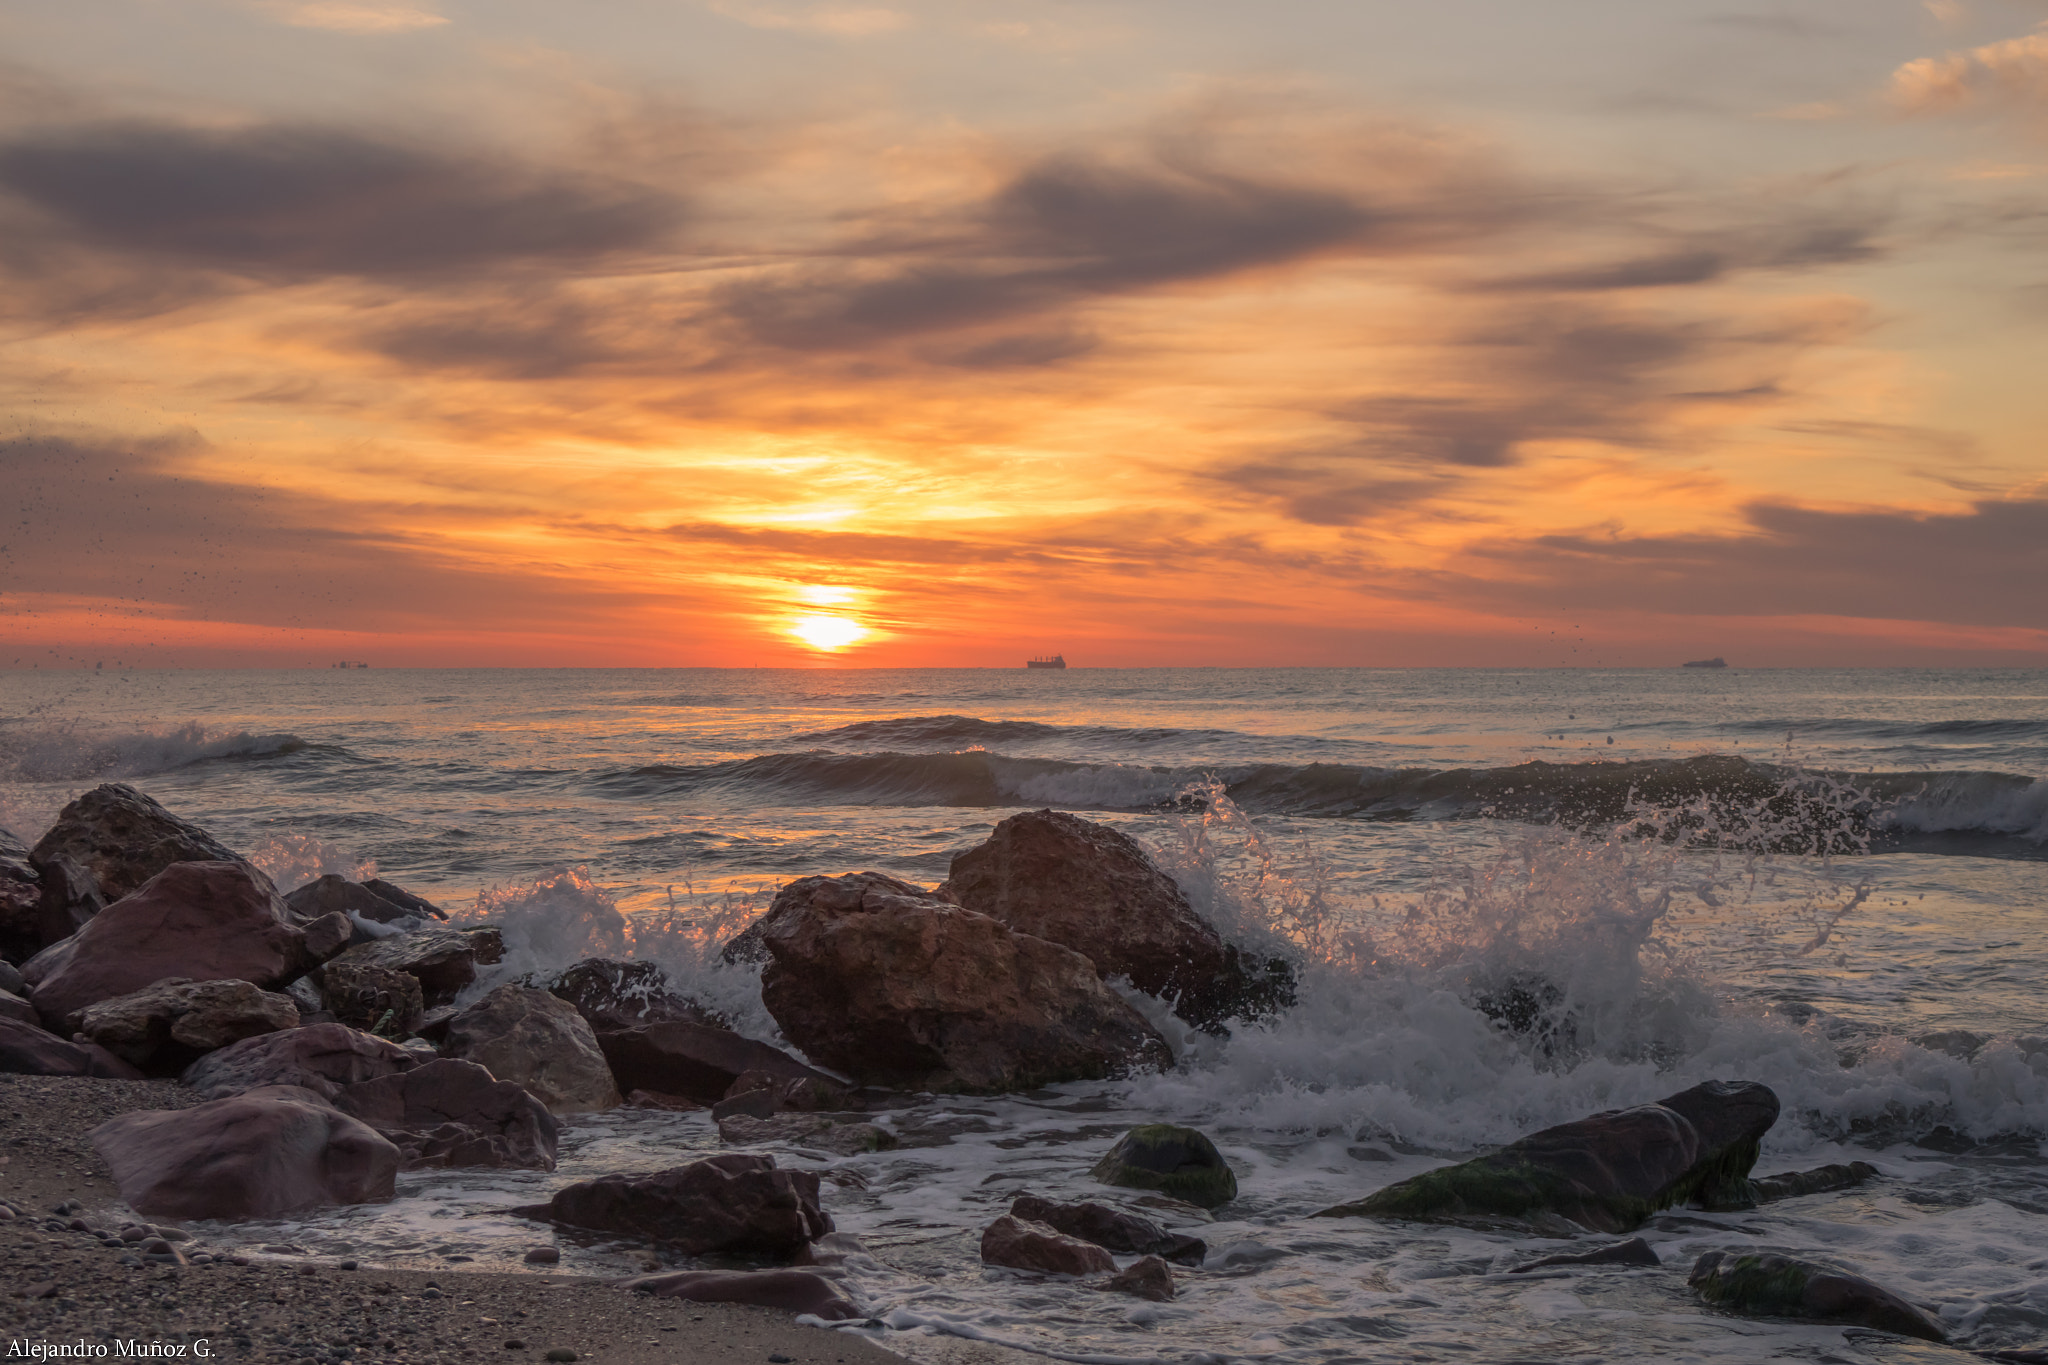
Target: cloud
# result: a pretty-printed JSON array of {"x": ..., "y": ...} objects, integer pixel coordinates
[
  {"x": 2011, "y": 73},
  {"x": 366, "y": 17},
  {"x": 845, "y": 21},
  {"x": 287, "y": 202},
  {"x": 1803, "y": 243}
]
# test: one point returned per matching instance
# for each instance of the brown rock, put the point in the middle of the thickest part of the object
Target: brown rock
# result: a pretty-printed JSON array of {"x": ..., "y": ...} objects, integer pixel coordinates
[
  {"x": 14, "y": 1007},
  {"x": 21, "y": 892},
  {"x": 333, "y": 894},
  {"x": 325, "y": 937},
  {"x": 787, "y": 1291},
  {"x": 1022, "y": 1245},
  {"x": 896, "y": 987},
  {"x": 614, "y": 994},
  {"x": 379, "y": 1000},
  {"x": 445, "y": 1112},
  {"x": 167, "y": 1025},
  {"x": 532, "y": 1039},
  {"x": 322, "y": 1058},
  {"x": 1093, "y": 889},
  {"x": 728, "y": 1203},
  {"x": 842, "y": 1134},
  {"x": 694, "y": 1060},
  {"x": 260, "y": 1155},
  {"x": 217, "y": 921},
  {"x": 444, "y": 960},
  {"x": 123, "y": 839},
  {"x": 1111, "y": 1229},
  {"x": 27, "y": 1050},
  {"x": 762, "y": 1094},
  {"x": 1147, "y": 1278},
  {"x": 406, "y": 900},
  {"x": 67, "y": 898}
]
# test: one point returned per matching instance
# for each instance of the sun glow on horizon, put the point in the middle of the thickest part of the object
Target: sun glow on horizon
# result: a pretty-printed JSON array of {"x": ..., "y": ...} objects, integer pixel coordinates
[{"x": 827, "y": 633}]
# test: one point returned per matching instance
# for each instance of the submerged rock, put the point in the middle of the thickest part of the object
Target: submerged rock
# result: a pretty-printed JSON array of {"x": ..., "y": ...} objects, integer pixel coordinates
[
  {"x": 165, "y": 1026},
  {"x": 1635, "y": 1252},
  {"x": 843, "y": 1134},
  {"x": 532, "y": 1039},
  {"x": 728, "y": 1203},
  {"x": 894, "y": 986},
  {"x": 1095, "y": 890},
  {"x": 1766, "y": 1285},
  {"x": 1148, "y": 1277},
  {"x": 1820, "y": 1180},
  {"x": 1179, "y": 1162},
  {"x": 260, "y": 1155},
  {"x": 1110, "y": 1229},
  {"x": 786, "y": 1291},
  {"x": 1023, "y": 1245},
  {"x": 1608, "y": 1172}
]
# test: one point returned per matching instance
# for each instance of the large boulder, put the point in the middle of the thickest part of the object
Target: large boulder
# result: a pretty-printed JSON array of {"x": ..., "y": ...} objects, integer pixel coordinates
[
  {"x": 1022, "y": 1245},
  {"x": 1766, "y": 1285},
  {"x": 203, "y": 921},
  {"x": 615, "y": 994},
  {"x": 123, "y": 838},
  {"x": 728, "y": 1203},
  {"x": 894, "y": 986},
  {"x": 444, "y": 960},
  {"x": 1095, "y": 890},
  {"x": 260, "y": 1155},
  {"x": 529, "y": 1037},
  {"x": 68, "y": 898},
  {"x": 379, "y": 1000},
  {"x": 322, "y": 1058},
  {"x": 21, "y": 892},
  {"x": 1608, "y": 1172},
  {"x": 333, "y": 894},
  {"x": 1111, "y": 1229},
  {"x": 28, "y": 1050},
  {"x": 1181, "y": 1163},
  {"x": 696, "y": 1061},
  {"x": 166, "y": 1026},
  {"x": 446, "y": 1112},
  {"x": 786, "y": 1291}
]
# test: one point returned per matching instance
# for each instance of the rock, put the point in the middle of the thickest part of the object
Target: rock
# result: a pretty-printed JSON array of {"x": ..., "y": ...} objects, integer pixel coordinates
[
  {"x": 1110, "y": 1229},
  {"x": 893, "y": 986},
  {"x": 842, "y": 1134},
  {"x": 11, "y": 982},
  {"x": 1147, "y": 1277},
  {"x": 542, "y": 1256},
  {"x": 261, "y": 1155},
  {"x": 788, "y": 1291},
  {"x": 164, "y": 1027},
  {"x": 1607, "y": 1173},
  {"x": 1635, "y": 1251},
  {"x": 444, "y": 960},
  {"x": 123, "y": 839},
  {"x": 217, "y": 921},
  {"x": 405, "y": 900},
  {"x": 762, "y": 1094},
  {"x": 1022, "y": 1245},
  {"x": 27, "y": 1050},
  {"x": 332, "y": 894},
  {"x": 14, "y": 1007},
  {"x": 321, "y": 1058},
  {"x": 1175, "y": 1161},
  {"x": 67, "y": 898},
  {"x": 727, "y": 1203},
  {"x": 446, "y": 1112},
  {"x": 695, "y": 1061},
  {"x": 615, "y": 995},
  {"x": 654, "y": 1099},
  {"x": 21, "y": 893},
  {"x": 1095, "y": 890},
  {"x": 1820, "y": 1180},
  {"x": 532, "y": 1039},
  {"x": 1764, "y": 1285},
  {"x": 379, "y": 1000}
]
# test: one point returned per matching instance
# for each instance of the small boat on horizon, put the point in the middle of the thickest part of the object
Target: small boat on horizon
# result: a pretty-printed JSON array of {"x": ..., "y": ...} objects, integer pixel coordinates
[
  {"x": 1716, "y": 662},
  {"x": 1049, "y": 661}
]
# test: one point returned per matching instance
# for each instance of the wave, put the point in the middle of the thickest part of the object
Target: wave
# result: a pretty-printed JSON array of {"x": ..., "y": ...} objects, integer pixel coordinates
[
  {"x": 1965, "y": 812},
  {"x": 1981, "y": 728},
  {"x": 63, "y": 753},
  {"x": 972, "y": 732}
]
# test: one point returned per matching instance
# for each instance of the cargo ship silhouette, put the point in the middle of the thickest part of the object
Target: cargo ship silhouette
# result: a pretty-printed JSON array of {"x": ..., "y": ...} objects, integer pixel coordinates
[{"x": 1049, "y": 661}]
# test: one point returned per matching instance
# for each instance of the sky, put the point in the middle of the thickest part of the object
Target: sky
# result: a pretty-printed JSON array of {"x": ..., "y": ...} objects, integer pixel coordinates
[{"x": 884, "y": 333}]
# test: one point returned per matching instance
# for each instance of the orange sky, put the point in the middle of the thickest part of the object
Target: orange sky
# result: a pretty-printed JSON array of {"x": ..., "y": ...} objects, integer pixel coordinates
[{"x": 753, "y": 334}]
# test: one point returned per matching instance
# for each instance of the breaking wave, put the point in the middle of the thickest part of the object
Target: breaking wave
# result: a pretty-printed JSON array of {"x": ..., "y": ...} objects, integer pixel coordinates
[{"x": 70, "y": 753}]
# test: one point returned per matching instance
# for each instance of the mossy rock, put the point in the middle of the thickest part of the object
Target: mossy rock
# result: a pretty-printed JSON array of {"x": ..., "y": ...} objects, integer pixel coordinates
[
  {"x": 1175, "y": 1161},
  {"x": 1759, "y": 1284}
]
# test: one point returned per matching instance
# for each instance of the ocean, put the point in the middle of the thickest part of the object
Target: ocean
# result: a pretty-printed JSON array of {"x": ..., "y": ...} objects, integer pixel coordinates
[{"x": 1833, "y": 882}]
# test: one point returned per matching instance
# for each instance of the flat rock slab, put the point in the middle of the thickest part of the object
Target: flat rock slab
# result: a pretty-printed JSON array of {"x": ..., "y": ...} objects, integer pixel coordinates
[
  {"x": 789, "y": 1291},
  {"x": 1764, "y": 1285},
  {"x": 728, "y": 1203},
  {"x": 260, "y": 1155},
  {"x": 1607, "y": 1173},
  {"x": 31, "y": 1050},
  {"x": 320, "y": 1057}
]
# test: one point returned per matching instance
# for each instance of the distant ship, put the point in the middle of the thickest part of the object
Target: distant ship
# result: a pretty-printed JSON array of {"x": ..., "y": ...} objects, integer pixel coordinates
[
  {"x": 1049, "y": 661},
  {"x": 1716, "y": 662}
]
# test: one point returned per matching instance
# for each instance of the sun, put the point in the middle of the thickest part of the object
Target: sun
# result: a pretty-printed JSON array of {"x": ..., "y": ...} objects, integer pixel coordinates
[{"x": 827, "y": 632}]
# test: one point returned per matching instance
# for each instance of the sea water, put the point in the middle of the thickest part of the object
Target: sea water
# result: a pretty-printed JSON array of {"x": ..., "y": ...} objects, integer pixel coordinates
[{"x": 1834, "y": 882}]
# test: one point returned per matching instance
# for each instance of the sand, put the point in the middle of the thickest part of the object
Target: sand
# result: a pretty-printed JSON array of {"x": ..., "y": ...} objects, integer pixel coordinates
[{"x": 62, "y": 1286}]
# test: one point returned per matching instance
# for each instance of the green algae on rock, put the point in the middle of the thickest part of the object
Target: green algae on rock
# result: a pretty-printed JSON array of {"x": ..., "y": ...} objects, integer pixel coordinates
[
  {"x": 1760, "y": 1284},
  {"x": 1172, "y": 1160},
  {"x": 1608, "y": 1172}
]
